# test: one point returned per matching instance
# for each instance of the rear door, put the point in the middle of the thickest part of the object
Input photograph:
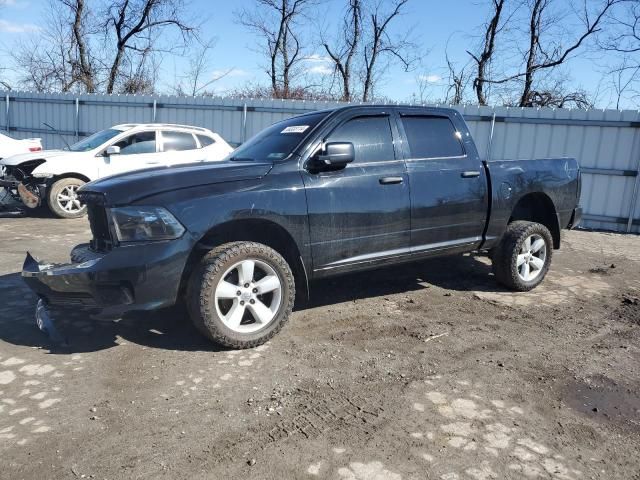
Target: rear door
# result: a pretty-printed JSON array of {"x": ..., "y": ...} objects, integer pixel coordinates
[
  {"x": 179, "y": 147},
  {"x": 449, "y": 201},
  {"x": 360, "y": 214}
]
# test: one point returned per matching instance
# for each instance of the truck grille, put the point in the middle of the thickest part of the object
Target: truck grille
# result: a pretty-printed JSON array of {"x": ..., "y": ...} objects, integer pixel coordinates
[{"x": 99, "y": 223}]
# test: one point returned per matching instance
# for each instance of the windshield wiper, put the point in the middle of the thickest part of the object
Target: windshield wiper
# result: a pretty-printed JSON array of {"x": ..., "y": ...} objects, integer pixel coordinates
[{"x": 241, "y": 159}]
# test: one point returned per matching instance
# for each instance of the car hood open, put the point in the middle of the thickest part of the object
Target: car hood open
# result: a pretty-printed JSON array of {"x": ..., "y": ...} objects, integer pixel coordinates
[{"x": 126, "y": 188}]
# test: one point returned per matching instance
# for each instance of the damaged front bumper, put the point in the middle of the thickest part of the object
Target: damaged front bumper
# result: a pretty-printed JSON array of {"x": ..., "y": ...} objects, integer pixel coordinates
[
  {"x": 23, "y": 186},
  {"x": 133, "y": 277},
  {"x": 30, "y": 195},
  {"x": 32, "y": 198}
]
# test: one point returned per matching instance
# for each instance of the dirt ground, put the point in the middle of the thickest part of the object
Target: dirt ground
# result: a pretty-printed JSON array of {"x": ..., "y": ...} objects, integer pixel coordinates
[{"x": 427, "y": 371}]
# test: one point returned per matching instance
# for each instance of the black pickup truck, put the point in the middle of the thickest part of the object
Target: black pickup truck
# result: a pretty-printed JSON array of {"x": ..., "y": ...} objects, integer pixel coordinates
[{"x": 320, "y": 194}]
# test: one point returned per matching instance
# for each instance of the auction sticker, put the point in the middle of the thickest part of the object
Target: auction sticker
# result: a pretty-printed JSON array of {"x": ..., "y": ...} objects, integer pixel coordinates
[{"x": 295, "y": 129}]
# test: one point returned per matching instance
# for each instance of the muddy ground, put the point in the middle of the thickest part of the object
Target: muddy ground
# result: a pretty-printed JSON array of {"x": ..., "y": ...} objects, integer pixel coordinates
[{"x": 428, "y": 371}]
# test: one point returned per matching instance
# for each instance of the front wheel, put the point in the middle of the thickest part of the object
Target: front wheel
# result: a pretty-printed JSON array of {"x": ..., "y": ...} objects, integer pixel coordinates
[
  {"x": 522, "y": 258},
  {"x": 241, "y": 294},
  {"x": 63, "y": 198}
]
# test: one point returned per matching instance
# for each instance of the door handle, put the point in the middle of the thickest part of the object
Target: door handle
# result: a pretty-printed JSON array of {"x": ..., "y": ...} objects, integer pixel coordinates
[
  {"x": 470, "y": 174},
  {"x": 390, "y": 180}
]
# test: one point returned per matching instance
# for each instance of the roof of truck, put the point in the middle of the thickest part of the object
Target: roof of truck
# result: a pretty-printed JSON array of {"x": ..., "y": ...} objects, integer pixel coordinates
[{"x": 427, "y": 109}]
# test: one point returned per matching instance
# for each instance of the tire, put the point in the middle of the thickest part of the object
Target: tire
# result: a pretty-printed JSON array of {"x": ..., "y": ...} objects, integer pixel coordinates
[
  {"x": 512, "y": 249},
  {"x": 231, "y": 319},
  {"x": 71, "y": 208}
]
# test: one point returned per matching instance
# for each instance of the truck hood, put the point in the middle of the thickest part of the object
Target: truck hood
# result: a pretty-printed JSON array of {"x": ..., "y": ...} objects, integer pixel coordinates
[
  {"x": 126, "y": 188},
  {"x": 26, "y": 157}
]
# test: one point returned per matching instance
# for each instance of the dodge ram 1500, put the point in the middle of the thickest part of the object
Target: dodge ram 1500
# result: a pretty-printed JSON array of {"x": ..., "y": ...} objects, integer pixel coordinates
[{"x": 320, "y": 194}]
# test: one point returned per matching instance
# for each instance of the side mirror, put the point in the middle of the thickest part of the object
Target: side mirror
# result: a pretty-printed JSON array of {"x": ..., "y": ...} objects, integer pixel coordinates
[
  {"x": 336, "y": 155},
  {"x": 112, "y": 150}
]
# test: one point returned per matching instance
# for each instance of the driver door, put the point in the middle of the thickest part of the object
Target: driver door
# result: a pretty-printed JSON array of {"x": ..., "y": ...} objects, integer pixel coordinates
[
  {"x": 137, "y": 151},
  {"x": 360, "y": 214}
]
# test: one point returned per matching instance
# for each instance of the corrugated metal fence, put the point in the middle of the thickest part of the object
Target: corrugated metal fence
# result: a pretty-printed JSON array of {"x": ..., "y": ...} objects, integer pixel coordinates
[{"x": 606, "y": 143}]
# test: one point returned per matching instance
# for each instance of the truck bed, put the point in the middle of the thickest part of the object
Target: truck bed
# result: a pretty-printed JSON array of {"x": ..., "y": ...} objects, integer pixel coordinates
[{"x": 512, "y": 180}]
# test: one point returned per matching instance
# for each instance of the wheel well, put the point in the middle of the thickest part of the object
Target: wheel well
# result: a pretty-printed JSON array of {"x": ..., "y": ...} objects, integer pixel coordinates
[
  {"x": 79, "y": 176},
  {"x": 539, "y": 208},
  {"x": 250, "y": 230}
]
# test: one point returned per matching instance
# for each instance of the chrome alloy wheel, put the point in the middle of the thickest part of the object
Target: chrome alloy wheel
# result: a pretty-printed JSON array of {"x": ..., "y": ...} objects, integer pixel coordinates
[
  {"x": 68, "y": 199},
  {"x": 532, "y": 257},
  {"x": 248, "y": 296}
]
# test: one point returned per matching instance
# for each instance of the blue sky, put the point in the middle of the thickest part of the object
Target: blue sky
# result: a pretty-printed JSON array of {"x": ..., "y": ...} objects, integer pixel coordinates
[{"x": 434, "y": 22}]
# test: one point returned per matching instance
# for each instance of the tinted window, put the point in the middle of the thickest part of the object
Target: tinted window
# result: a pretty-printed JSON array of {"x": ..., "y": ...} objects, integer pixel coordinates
[
  {"x": 371, "y": 138},
  {"x": 205, "y": 141},
  {"x": 279, "y": 140},
  {"x": 432, "y": 137},
  {"x": 178, "y": 141},
  {"x": 141, "y": 142}
]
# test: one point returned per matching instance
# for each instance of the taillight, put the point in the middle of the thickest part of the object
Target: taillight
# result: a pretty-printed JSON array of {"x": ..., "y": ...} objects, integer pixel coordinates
[{"x": 35, "y": 149}]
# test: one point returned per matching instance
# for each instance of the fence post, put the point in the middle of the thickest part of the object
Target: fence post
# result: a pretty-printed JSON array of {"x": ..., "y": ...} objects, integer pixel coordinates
[
  {"x": 490, "y": 142},
  {"x": 6, "y": 117},
  {"x": 77, "y": 119},
  {"x": 244, "y": 123},
  {"x": 634, "y": 199}
]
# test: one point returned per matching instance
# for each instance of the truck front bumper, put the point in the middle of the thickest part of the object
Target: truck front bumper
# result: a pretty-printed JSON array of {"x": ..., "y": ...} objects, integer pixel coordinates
[{"x": 132, "y": 277}]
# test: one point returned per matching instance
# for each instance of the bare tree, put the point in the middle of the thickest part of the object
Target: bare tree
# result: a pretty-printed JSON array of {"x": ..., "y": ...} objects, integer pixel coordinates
[
  {"x": 82, "y": 65},
  {"x": 544, "y": 56},
  {"x": 624, "y": 79},
  {"x": 623, "y": 42},
  {"x": 379, "y": 45},
  {"x": 484, "y": 58},
  {"x": 59, "y": 59},
  {"x": 458, "y": 81},
  {"x": 345, "y": 53},
  {"x": 133, "y": 23},
  {"x": 277, "y": 22},
  {"x": 198, "y": 76}
]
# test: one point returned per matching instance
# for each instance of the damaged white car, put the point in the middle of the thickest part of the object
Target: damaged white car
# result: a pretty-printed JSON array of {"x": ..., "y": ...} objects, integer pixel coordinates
[
  {"x": 52, "y": 177},
  {"x": 11, "y": 146}
]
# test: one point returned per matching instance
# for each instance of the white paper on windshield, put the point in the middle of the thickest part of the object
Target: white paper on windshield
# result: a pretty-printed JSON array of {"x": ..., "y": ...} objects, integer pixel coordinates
[{"x": 295, "y": 129}]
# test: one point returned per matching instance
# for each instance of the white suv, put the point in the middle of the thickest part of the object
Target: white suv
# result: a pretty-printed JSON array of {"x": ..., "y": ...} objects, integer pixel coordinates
[{"x": 52, "y": 177}]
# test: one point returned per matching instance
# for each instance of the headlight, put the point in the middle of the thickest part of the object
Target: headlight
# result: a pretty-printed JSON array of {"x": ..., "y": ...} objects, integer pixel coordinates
[{"x": 137, "y": 224}]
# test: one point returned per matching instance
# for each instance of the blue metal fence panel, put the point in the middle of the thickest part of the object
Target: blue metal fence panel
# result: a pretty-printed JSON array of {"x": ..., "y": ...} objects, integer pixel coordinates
[{"x": 606, "y": 143}]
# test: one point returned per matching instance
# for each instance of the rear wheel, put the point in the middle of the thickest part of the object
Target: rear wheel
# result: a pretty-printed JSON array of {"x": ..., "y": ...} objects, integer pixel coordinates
[
  {"x": 241, "y": 294},
  {"x": 522, "y": 259},
  {"x": 63, "y": 198}
]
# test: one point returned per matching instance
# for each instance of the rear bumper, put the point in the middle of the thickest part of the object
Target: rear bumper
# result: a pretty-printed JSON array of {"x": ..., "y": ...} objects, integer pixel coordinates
[
  {"x": 132, "y": 277},
  {"x": 576, "y": 218}
]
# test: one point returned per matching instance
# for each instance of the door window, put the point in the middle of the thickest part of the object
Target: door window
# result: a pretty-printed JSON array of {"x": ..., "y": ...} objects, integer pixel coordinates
[
  {"x": 432, "y": 137},
  {"x": 371, "y": 137},
  {"x": 141, "y": 142},
  {"x": 178, "y": 141},
  {"x": 205, "y": 141}
]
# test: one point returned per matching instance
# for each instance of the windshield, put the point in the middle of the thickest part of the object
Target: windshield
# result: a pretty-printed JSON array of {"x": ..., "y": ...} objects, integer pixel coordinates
[
  {"x": 95, "y": 140},
  {"x": 277, "y": 141}
]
